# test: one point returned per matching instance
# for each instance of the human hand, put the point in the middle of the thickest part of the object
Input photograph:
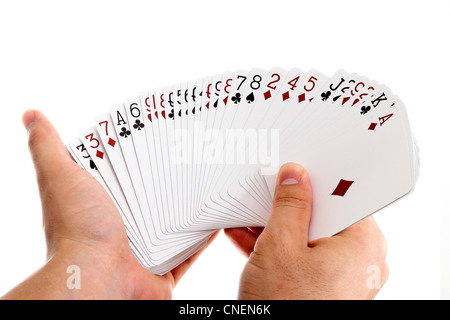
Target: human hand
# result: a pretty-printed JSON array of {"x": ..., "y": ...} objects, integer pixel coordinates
[
  {"x": 83, "y": 228},
  {"x": 282, "y": 263}
]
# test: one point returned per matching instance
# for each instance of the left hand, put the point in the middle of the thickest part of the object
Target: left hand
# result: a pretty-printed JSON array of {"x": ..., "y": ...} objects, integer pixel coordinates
[{"x": 83, "y": 227}]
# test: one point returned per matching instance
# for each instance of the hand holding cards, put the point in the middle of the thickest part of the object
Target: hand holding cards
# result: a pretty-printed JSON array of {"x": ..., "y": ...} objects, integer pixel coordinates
[{"x": 182, "y": 161}]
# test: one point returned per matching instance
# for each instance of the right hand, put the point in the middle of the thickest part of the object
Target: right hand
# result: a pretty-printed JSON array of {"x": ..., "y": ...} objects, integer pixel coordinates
[{"x": 282, "y": 263}]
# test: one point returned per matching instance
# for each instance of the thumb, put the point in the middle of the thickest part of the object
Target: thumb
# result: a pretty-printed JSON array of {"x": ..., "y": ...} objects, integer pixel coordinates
[
  {"x": 292, "y": 204},
  {"x": 48, "y": 152}
]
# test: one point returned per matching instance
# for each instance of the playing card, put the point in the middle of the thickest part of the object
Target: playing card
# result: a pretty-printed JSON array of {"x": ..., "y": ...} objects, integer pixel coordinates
[
  {"x": 183, "y": 160},
  {"x": 80, "y": 155},
  {"x": 360, "y": 183}
]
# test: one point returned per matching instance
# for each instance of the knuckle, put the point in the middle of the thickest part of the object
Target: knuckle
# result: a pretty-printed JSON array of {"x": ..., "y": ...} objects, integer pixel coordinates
[
  {"x": 380, "y": 243},
  {"x": 373, "y": 238},
  {"x": 290, "y": 198}
]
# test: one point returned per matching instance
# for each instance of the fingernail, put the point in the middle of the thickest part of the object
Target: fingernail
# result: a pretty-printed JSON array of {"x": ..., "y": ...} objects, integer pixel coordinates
[
  {"x": 289, "y": 181},
  {"x": 28, "y": 118},
  {"x": 291, "y": 175}
]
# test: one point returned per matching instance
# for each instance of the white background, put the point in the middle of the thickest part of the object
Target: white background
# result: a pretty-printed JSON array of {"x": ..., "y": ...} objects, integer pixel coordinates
[{"x": 73, "y": 59}]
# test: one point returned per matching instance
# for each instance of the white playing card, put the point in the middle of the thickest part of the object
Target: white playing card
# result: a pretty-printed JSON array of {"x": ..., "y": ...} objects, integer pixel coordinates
[
  {"x": 357, "y": 184},
  {"x": 123, "y": 130},
  {"x": 248, "y": 90},
  {"x": 80, "y": 155},
  {"x": 91, "y": 140},
  {"x": 183, "y": 160}
]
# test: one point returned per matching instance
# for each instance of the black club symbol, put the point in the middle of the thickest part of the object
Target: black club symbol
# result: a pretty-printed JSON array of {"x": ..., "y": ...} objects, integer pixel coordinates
[
  {"x": 237, "y": 98},
  {"x": 325, "y": 95},
  {"x": 138, "y": 125},
  {"x": 171, "y": 115},
  {"x": 124, "y": 133},
  {"x": 364, "y": 110}
]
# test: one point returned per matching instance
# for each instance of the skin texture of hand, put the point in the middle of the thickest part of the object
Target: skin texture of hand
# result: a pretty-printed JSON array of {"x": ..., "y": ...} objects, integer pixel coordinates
[
  {"x": 83, "y": 228},
  {"x": 282, "y": 263}
]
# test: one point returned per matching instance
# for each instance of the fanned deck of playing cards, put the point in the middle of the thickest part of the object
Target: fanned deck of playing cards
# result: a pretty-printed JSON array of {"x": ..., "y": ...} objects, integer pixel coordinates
[{"x": 184, "y": 160}]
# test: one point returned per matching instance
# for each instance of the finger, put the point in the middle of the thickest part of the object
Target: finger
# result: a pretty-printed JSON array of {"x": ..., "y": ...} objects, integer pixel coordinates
[
  {"x": 366, "y": 238},
  {"x": 256, "y": 230},
  {"x": 177, "y": 273},
  {"x": 243, "y": 239},
  {"x": 361, "y": 226},
  {"x": 48, "y": 152},
  {"x": 363, "y": 231},
  {"x": 292, "y": 203}
]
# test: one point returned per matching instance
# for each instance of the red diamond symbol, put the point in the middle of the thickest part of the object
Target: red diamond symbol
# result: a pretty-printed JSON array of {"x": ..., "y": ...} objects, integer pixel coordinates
[
  {"x": 225, "y": 100},
  {"x": 345, "y": 100},
  {"x": 372, "y": 126},
  {"x": 267, "y": 95},
  {"x": 301, "y": 98},
  {"x": 99, "y": 154},
  {"x": 285, "y": 95},
  {"x": 112, "y": 142},
  {"x": 342, "y": 188}
]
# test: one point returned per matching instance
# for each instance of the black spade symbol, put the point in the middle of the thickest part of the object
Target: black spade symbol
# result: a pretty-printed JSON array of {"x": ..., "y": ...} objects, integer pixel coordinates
[
  {"x": 92, "y": 165},
  {"x": 250, "y": 98}
]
